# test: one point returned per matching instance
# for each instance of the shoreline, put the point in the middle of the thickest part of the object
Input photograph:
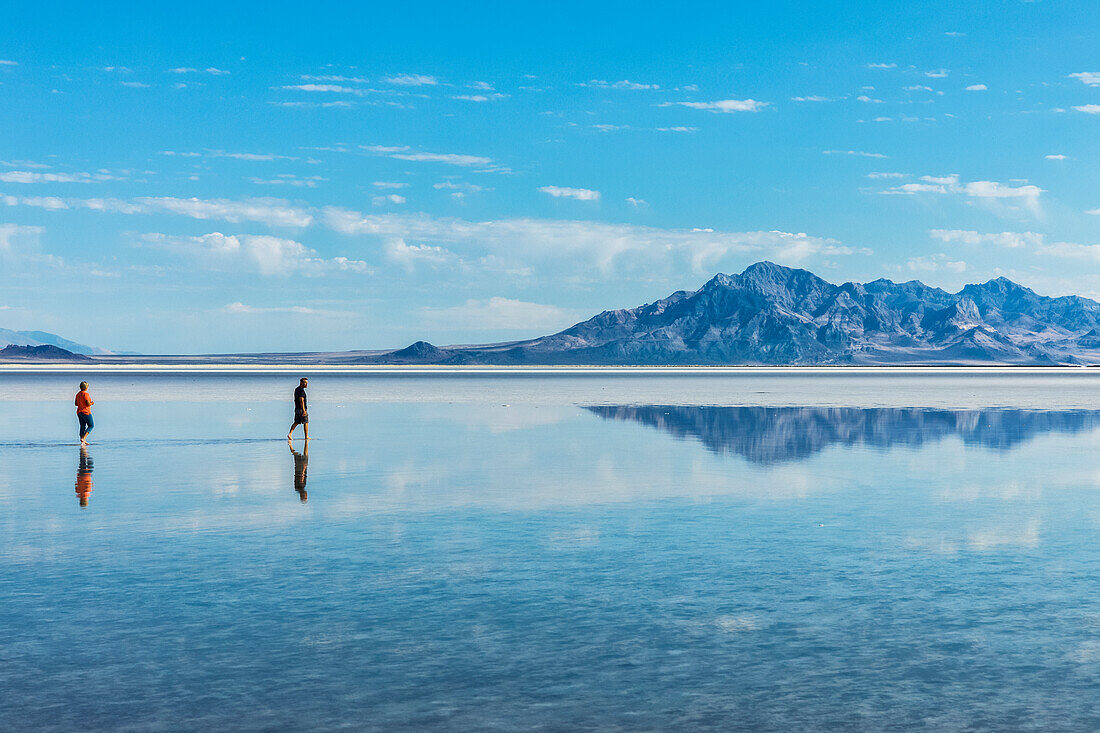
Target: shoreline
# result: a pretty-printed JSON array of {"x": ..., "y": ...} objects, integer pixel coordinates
[{"x": 391, "y": 369}]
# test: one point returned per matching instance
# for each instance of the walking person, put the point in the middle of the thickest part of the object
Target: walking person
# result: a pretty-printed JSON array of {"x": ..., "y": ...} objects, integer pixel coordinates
[
  {"x": 84, "y": 412},
  {"x": 301, "y": 415}
]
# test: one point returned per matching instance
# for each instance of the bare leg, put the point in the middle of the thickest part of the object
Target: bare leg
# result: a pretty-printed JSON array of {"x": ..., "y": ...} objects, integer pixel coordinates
[
  {"x": 305, "y": 427},
  {"x": 291, "y": 433}
]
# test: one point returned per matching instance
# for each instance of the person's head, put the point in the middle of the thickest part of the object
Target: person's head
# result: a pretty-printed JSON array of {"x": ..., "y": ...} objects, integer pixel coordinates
[
  {"x": 83, "y": 386},
  {"x": 303, "y": 382}
]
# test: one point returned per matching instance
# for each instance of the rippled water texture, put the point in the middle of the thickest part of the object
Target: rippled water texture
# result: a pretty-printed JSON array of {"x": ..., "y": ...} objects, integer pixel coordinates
[{"x": 774, "y": 552}]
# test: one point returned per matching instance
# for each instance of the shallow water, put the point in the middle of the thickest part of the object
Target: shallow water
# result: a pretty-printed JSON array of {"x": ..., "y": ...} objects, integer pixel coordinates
[{"x": 772, "y": 552}]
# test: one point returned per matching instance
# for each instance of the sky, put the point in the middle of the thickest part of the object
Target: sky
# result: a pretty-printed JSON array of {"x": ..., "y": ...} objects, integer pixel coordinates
[{"x": 227, "y": 177}]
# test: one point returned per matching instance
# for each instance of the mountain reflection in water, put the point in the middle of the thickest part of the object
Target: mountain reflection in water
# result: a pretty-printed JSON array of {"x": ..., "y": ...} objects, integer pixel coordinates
[{"x": 775, "y": 434}]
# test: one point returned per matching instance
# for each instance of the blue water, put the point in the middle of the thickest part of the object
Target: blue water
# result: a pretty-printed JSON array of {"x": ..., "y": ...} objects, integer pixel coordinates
[{"x": 551, "y": 554}]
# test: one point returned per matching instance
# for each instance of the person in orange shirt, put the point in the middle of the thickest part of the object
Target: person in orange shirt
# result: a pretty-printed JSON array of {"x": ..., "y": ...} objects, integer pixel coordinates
[{"x": 84, "y": 412}]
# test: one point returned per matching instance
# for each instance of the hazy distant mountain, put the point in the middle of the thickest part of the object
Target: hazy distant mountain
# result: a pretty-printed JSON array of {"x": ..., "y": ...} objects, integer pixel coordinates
[
  {"x": 45, "y": 352},
  {"x": 41, "y": 338},
  {"x": 776, "y": 434},
  {"x": 771, "y": 314}
]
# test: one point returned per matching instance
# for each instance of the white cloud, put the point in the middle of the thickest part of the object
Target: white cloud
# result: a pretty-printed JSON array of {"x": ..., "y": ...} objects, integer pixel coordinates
[
  {"x": 1072, "y": 250},
  {"x": 8, "y": 62},
  {"x": 328, "y": 88},
  {"x": 336, "y": 78},
  {"x": 15, "y": 236},
  {"x": 404, "y": 152},
  {"x": 1027, "y": 195},
  {"x": 274, "y": 212},
  {"x": 483, "y": 86},
  {"x": 868, "y": 100},
  {"x": 936, "y": 74},
  {"x": 580, "y": 194},
  {"x": 724, "y": 106},
  {"x": 239, "y": 308},
  {"x": 977, "y": 88},
  {"x": 24, "y": 164},
  {"x": 624, "y": 84},
  {"x": 858, "y": 153},
  {"x": 313, "y": 105},
  {"x": 36, "y": 177},
  {"x": 289, "y": 179},
  {"x": 1092, "y": 109},
  {"x": 882, "y": 66},
  {"x": 50, "y": 203},
  {"x": 478, "y": 97},
  {"x": 269, "y": 211},
  {"x": 578, "y": 246},
  {"x": 992, "y": 189},
  {"x": 266, "y": 255},
  {"x": 879, "y": 174},
  {"x": 224, "y": 154},
  {"x": 1056, "y": 156},
  {"x": 409, "y": 256},
  {"x": 678, "y": 128},
  {"x": 1092, "y": 78},
  {"x": 634, "y": 201},
  {"x": 934, "y": 263},
  {"x": 391, "y": 198},
  {"x": 501, "y": 314},
  {"x": 192, "y": 70},
  {"x": 813, "y": 98},
  {"x": 411, "y": 80},
  {"x": 459, "y": 186},
  {"x": 135, "y": 84},
  {"x": 918, "y": 88},
  {"x": 1012, "y": 240},
  {"x": 389, "y": 184}
]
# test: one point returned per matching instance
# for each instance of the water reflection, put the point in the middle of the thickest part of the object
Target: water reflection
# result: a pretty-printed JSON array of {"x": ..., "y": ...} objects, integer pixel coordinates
[
  {"x": 84, "y": 477},
  {"x": 769, "y": 435},
  {"x": 301, "y": 465}
]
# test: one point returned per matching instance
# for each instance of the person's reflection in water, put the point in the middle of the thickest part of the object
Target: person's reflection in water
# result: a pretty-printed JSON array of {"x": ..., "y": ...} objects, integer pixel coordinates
[
  {"x": 84, "y": 477},
  {"x": 301, "y": 464}
]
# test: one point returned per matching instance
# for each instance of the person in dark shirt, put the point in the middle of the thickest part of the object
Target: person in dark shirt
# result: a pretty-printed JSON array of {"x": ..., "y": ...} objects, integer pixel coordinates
[{"x": 301, "y": 415}]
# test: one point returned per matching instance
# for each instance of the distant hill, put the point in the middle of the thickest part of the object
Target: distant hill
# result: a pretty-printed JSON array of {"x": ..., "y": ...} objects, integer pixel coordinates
[
  {"x": 42, "y": 338},
  {"x": 39, "y": 353},
  {"x": 775, "y": 315}
]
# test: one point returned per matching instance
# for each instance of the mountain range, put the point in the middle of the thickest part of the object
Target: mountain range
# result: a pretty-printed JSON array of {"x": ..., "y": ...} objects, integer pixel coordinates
[
  {"x": 775, "y": 315},
  {"x": 41, "y": 338},
  {"x": 767, "y": 315}
]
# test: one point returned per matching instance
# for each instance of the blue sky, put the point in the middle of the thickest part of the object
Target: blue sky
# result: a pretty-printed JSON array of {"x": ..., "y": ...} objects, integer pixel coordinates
[{"x": 245, "y": 177}]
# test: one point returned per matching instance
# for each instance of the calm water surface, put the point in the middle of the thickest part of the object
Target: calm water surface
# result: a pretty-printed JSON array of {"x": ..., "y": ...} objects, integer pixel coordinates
[{"x": 772, "y": 552}]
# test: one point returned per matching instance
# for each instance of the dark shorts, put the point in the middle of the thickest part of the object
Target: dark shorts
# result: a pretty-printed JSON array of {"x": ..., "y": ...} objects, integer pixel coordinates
[{"x": 300, "y": 418}]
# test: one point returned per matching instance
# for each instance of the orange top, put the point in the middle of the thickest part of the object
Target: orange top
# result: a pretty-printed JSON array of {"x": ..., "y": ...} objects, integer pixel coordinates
[{"x": 83, "y": 403}]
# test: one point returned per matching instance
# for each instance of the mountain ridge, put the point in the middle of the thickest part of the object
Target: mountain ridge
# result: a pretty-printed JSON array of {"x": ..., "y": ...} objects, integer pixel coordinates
[{"x": 770, "y": 314}]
